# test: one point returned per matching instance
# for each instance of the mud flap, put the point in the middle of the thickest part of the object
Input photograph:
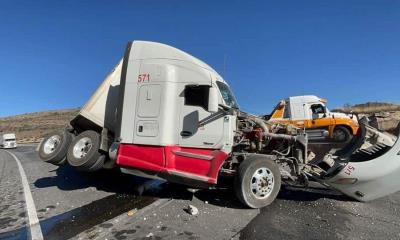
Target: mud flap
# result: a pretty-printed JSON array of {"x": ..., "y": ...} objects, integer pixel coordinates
[{"x": 370, "y": 179}]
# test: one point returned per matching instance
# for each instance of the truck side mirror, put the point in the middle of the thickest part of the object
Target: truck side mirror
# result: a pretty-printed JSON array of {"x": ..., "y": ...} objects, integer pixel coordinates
[{"x": 213, "y": 100}]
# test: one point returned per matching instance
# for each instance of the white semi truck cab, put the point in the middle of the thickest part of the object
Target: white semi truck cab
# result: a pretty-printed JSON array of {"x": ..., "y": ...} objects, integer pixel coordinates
[
  {"x": 8, "y": 140},
  {"x": 166, "y": 95},
  {"x": 162, "y": 113}
]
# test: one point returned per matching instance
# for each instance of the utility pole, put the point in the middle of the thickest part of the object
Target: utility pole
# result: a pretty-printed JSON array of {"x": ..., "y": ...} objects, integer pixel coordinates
[{"x": 225, "y": 58}]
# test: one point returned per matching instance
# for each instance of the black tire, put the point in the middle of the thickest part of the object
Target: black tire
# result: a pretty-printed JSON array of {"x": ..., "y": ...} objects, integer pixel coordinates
[
  {"x": 83, "y": 153},
  {"x": 96, "y": 166},
  {"x": 245, "y": 176},
  {"x": 341, "y": 134},
  {"x": 54, "y": 147}
]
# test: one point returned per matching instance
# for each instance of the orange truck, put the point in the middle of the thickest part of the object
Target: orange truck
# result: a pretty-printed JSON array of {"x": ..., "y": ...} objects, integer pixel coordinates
[{"x": 310, "y": 112}]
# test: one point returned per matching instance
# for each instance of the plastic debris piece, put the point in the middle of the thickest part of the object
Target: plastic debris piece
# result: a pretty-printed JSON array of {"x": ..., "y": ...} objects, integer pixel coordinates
[
  {"x": 192, "y": 210},
  {"x": 149, "y": 235}
]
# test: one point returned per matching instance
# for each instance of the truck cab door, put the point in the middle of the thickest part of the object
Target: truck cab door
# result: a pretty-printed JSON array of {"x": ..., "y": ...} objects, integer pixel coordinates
[
  {"x": 194, "y": 110},
  {"x": 318, "y": 123},
  {"x": 319, "y": 118}
]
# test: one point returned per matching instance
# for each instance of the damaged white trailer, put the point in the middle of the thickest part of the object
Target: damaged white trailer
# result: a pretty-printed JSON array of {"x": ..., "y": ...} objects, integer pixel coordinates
[{"x": 163, "y": 113}]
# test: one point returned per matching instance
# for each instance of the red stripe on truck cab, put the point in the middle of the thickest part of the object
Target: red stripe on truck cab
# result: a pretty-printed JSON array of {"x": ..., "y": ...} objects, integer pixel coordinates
[{"x": 196, "y": 163}]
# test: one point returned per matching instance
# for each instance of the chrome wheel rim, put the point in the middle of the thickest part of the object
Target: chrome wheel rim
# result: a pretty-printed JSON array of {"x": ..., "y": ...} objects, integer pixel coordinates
[
  {"x": 262, "y": 183},
  {"x": 82, "y": 147},
  {"x": 51, "y": 144}
]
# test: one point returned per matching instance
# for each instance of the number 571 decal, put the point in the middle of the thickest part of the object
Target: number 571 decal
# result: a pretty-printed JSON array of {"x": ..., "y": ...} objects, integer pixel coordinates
[
  {"x": 349, "y": 169},
  {"x": 144, "y": 78}
]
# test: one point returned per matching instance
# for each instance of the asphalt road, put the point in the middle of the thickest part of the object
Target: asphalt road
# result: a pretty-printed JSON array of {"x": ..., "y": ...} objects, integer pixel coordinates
[
  {"x": 70, "y": 204},
  {"x": 67, "y": 202}
]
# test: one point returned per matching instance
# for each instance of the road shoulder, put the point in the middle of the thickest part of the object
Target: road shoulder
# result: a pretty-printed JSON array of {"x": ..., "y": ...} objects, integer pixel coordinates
[
  {"x": 12, "y": 203},
  {"x": 167, "y": 219}
]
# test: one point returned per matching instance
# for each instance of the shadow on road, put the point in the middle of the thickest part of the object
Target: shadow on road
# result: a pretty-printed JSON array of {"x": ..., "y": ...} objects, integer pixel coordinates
[
  {"x": 226, "y": 197},
  {"x": 75, "y": 221},
  {"x": 71, "y": 223},
  {"x": 218, "y": 197},
  {"x": 310, "y": 194},
  {"x": 68, "y": 178},
  {"x": 135, "y": 192}
]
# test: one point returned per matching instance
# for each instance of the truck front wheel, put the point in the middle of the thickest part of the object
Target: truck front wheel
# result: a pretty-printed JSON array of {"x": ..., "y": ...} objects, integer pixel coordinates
[
  {"x": 53, "y": 148},
  {"x": 341, "y": 134},
  {"x": 258, "y": 182},
  {"x": 83, "y": 152}
]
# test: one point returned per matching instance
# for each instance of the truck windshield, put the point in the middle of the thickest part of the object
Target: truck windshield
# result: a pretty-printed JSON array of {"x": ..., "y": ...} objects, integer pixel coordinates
[
  {"x": 227, "y": 95},
  {"x": 10, "y": 140}
]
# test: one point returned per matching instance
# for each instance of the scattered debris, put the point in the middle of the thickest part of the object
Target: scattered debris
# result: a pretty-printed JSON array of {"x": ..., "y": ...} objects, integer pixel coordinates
[
  {"x": 321, "y": 219},
  {"x": 192, "y": 210},
  {"x": 149, "y": 235}
]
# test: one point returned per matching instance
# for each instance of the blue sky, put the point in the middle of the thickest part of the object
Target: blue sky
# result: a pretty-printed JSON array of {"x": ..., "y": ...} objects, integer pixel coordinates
[{"x": 54, "y": 54}]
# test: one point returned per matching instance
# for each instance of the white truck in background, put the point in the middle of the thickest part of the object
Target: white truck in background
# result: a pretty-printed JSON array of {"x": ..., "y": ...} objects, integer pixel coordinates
[
  {"x": 310, "y": 112},
  {"x": 8, "y": 140},
  {"x": 165, "y": 114}
]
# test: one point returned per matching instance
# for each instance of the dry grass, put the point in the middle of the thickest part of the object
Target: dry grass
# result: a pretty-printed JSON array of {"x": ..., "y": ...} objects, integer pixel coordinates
[
  {"x": 32, "y": 127},
  {"x": 370, "y": 107}
]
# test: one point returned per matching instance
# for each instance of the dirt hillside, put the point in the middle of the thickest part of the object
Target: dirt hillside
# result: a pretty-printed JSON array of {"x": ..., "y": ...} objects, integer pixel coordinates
[
  {"x": 369, "y": 108},
  {"x": 383, "y": 116},
  {"x": 31, "y": 127}
]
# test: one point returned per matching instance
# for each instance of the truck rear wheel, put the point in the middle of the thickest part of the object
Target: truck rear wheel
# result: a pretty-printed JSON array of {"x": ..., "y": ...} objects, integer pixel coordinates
[
  {"x": 96, "y": 166},
  {"x": 258, "y": 182},
  {"x": 53, "y": 149},
  {"x": 83, "y": 153}
]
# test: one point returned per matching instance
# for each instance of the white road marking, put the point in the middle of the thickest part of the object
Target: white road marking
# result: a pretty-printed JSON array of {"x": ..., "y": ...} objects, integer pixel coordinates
[{"x": 34, "y": 225}]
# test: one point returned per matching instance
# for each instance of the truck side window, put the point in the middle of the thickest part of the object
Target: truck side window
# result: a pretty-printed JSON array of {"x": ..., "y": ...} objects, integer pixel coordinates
[
  {"x": 197, "y": 96},
  {"x": 317, "y": 109},
  {"x": 286, "y": 113}
]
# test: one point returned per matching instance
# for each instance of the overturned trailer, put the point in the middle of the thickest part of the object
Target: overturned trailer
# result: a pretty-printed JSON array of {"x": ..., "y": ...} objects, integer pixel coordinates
[{"x": 163, "y": 113}]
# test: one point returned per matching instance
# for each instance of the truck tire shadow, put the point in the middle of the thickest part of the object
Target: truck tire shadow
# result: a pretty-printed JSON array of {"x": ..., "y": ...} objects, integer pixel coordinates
[
  {"x": 67, "y": 179},
  {"x": 221, "y": 197},
  {"x": 217, "y": 197}
]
